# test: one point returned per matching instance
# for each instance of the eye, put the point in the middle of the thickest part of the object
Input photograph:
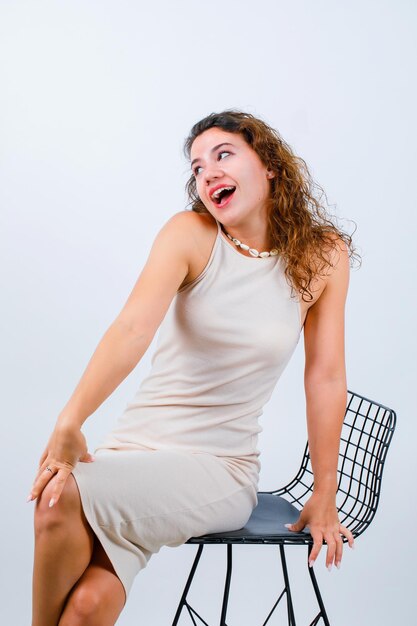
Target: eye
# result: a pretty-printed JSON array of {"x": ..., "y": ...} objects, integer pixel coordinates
[{"x": 197, "y": 166}]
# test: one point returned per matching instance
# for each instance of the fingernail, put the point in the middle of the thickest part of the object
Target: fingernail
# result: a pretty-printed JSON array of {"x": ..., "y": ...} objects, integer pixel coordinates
[
  {"x": 338, "y": 565},
  {"x": 353, "y": 546},
  {"x": 29, "y": 498},
  {"x": 51, "y": 502},
  {"x": 287, "y": 525},
  {"x": 329, "y": 567},
  {"x": 311, "y": 563}
]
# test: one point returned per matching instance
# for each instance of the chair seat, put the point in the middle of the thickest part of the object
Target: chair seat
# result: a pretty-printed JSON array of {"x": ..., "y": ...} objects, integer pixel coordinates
[{"x": 265, "y": 525}]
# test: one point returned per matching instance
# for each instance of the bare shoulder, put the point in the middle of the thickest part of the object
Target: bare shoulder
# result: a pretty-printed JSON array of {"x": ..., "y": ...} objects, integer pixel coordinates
[
  {"x": 339, "y": 265},
  {"x": 334, "y": 280},
  {"x": 174, "y": 257},
  {"x": 334, "y": 277},
  {"x": 198, "y": 232},
  {"x": 195, "y": 225}
]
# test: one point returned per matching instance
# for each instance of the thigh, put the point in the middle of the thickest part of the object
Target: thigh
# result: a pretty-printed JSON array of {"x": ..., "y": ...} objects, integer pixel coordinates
[
  {"x": 98, "y": 595},
  {"x": 165, "y": 497},
  {"x": 131, "y": 485}
]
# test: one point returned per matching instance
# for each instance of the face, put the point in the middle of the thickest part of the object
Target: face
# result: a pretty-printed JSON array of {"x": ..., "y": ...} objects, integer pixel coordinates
[{"x": 236, "y": 165}]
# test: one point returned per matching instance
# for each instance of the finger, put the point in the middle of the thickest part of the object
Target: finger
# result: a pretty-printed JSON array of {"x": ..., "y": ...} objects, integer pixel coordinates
[
  {"x": 339, "y": 551},
  {"x": 42, "y": 473},
  {"x": 331, "y": 551},
  {"x": 317, "y": 545},
  {"x": 346, "y": 532},
  {"x": 59, "y": 483},
  {"x": 297, "y": 526},
  {"x": 40, "y": 483}
]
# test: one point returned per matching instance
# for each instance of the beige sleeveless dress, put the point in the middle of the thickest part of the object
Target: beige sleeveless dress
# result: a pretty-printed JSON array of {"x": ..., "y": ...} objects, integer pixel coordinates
[{"x": 182, "y": 460}]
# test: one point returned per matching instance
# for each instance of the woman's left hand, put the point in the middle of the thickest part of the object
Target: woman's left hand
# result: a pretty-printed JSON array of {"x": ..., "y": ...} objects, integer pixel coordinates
[{"x": 320, "y": 515}]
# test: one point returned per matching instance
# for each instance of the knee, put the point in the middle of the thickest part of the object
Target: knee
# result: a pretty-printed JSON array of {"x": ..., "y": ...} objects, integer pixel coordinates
[
  {"x": 85, "y": 602},
  {"x": 47, "y": 519}
]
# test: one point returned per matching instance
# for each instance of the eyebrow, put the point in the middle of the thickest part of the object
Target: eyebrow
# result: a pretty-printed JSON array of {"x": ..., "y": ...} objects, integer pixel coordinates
[{"x": 213, "y": 150}]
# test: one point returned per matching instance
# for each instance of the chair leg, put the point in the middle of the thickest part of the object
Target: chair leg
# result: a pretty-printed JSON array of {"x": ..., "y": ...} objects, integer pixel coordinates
[
  {"x": 183, "y": 601},
  {"x": 290, "y": 608},
  {"x": 227, "y": 585},
  {"x": 322, "y": 613}
]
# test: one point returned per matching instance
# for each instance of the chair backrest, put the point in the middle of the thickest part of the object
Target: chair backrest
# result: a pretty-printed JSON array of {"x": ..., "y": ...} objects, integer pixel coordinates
[{"x": 366, "y": 435}]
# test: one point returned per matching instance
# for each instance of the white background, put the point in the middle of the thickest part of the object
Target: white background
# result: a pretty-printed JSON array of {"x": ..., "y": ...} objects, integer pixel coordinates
[{"x": 96, "y": 100}]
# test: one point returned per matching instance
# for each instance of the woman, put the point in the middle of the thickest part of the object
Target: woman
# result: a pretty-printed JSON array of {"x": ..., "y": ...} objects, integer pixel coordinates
[{"x": 234, "y": 281}]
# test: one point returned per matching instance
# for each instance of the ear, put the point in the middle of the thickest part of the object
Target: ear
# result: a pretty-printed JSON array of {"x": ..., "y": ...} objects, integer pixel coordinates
[{"x": 270, "y": 174}]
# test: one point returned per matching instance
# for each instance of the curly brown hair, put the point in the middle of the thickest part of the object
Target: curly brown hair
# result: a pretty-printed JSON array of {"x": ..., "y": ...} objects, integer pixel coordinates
[{"x": 299, "y": 226}]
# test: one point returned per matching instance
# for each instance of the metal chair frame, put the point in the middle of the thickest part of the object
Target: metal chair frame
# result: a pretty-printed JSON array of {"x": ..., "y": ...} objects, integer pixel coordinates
[{"x": 366, "y": 435}]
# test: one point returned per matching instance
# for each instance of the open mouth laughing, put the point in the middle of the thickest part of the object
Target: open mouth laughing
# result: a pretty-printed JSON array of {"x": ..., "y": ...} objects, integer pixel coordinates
[{"x": 222, "y": 194}]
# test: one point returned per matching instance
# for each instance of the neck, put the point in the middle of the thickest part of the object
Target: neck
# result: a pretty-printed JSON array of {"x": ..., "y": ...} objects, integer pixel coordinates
[
  {"x": 250, "y": 249},
  {"x": 259, "y": 241}
]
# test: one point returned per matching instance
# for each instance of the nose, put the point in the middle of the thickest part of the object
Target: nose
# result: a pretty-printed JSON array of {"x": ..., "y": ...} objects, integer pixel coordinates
[{"x": 212, "y": 172}]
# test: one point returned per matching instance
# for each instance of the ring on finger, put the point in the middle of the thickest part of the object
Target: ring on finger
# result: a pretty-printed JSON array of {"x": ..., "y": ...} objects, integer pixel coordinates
[{"x": 48, "y": 469}]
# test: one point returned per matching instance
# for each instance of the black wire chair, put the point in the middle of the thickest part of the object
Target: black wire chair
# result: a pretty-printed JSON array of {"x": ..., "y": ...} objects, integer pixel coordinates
[{"x": 366, "y": 435}]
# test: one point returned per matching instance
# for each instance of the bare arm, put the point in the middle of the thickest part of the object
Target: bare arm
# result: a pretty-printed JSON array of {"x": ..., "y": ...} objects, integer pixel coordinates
[
  {"x": 129, "y": 336},
  {"x": 120, "y": 349},
  {"x": 325, "y": 388}
]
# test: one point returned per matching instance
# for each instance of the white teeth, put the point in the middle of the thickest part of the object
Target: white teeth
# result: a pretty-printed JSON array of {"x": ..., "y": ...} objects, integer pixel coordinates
[{"x": 218, "y": 191}]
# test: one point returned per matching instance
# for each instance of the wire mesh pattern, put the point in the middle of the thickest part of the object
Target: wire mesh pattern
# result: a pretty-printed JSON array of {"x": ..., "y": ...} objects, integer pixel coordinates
[
  {"x": 367, "y": 432},
  {"x": 366, "y": 435}
]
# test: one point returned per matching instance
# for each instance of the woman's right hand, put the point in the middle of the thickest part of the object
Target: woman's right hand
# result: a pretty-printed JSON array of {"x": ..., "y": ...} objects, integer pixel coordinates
[{"x": 66, "y": 446}]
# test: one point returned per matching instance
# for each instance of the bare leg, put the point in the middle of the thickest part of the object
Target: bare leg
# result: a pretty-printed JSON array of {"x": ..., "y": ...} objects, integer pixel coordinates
[
  {"x": 98, "y": 598},
  {"x": 63, "y": 549}
]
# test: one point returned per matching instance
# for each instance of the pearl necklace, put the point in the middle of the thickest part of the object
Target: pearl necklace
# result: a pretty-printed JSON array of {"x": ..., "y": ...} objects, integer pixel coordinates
[{"x": 252, "y": 251}]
